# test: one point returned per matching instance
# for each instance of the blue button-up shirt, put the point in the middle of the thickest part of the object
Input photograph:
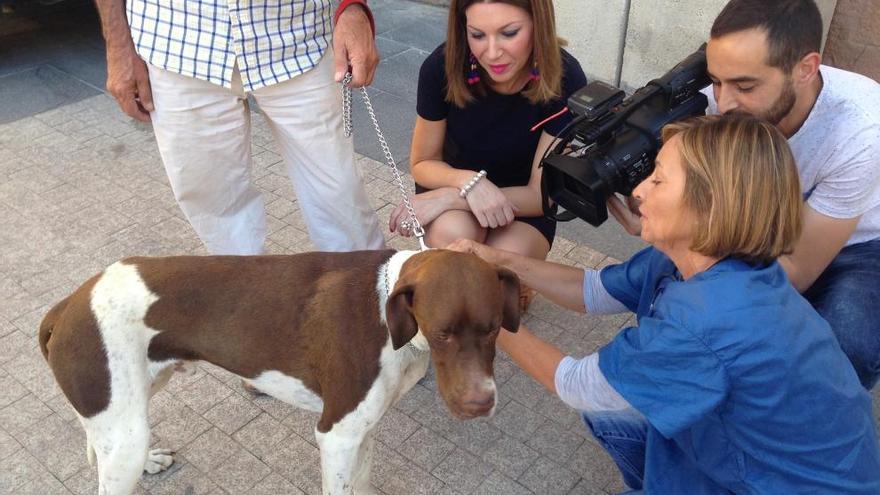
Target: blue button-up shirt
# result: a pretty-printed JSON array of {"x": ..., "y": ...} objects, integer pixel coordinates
[
  {"x": 744, "y": 385},
  {"x": 270, "y": 40}
]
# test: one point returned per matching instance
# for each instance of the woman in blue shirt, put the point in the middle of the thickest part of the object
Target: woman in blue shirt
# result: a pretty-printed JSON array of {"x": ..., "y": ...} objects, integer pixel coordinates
[{"x": 731, "y": 382}]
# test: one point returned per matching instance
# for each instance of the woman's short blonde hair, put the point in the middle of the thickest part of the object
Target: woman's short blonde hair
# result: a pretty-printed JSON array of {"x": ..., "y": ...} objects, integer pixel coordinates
[
  {"x": 741, "y": 184},
  {"x": 546, "y": 53}
]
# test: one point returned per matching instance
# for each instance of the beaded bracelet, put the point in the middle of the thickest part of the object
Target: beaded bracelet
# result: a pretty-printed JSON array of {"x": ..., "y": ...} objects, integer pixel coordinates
[{"x": 471, "y": 183}]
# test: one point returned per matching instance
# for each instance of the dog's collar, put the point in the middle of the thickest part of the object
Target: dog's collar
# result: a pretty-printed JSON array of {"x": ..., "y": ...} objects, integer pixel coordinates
[{"x": 391, "y": 269}]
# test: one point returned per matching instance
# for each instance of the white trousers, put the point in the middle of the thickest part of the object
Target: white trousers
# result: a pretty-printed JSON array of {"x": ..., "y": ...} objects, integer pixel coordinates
[{"x": 204, "y": 135}]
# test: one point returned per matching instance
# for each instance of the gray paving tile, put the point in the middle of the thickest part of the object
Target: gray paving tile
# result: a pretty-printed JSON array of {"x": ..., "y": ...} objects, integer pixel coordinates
[
  {"x": 60, "y": 446},
  {"x": 274, "y": 484},
  {"x": 498, "y": 484},
  {"x": 291, "y": 456},
  {"x": 585, "y": 487},
  {"x": 396, "y": 116},
  {"x": 412, "y": 481},
  {"x": 10, "y": 390},
  {"x": 547, "y": 477},
  {"x": 239, "y": 472},
  {"x": 593, "y": 464},
  {"x": 32, "y": 371},
  {"x": 62, "y": 408},
  {"x": 554, "y": 442},
  {"x": 423, "y": 34},
  {"x": 523, "y": 389},
  {"x": 415, "y": 400},
  {"x": 399, "y": 75},
  {"x": 18, "y": 416},
  {"x": 232, "y": 413},
  {"x": 210, "y": 450},
  {"x": 462, "y": 471},
  {"x": 302, "y": 423},
  {"x": 395, "y": 14},
  {"x": 47, "y": 88},
  {"x": 179, "y": 428},
  {"x": 45, "y": 485},
  {"x": 179, "y": 478},
  {"x": 388, "y": 48},
  {"x": 204, "y": 393},
  {"x": 518, "y": 421},
  {"x": 395, "y": 428},
  {"x": 8, "y": 445},
  {"x": 426, "y": 448},
  {"x": 510, "y": 456},
  {"x": 264, "y": 435},
  {"x": 18, "y": 469}
]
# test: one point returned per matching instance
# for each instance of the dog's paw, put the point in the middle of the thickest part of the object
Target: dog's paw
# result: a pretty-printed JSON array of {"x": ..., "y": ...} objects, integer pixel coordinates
[{"x": 158, "y": 460}]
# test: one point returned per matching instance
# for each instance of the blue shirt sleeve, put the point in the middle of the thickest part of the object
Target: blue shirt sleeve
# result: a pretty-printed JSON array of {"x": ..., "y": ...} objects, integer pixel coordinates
[
  {"x": 625, "y": 281},
  {"x": 666, "y": 372}
]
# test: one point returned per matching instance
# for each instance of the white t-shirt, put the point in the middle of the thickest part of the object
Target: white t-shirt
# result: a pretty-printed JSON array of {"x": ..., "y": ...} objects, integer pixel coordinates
[{"x": 837, "y": 151}]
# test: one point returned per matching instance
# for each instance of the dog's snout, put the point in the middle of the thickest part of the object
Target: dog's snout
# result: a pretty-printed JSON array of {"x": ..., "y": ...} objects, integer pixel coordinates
[
  {"x": 480, "y": 399},
  {"x": 478, "y": 402}
]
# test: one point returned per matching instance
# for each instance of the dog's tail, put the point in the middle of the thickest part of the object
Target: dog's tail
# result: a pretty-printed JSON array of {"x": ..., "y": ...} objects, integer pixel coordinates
[{"x": 48, "y": 324}]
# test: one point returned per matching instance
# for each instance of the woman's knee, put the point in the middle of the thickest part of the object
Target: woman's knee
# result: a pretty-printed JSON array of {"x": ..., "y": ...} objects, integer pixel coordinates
[
  {"x": 453, "y": 225},
  {"x": 520, "y": 238}
]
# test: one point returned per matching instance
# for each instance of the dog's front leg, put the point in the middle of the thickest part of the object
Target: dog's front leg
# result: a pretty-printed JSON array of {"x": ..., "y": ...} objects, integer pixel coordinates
[{"x": 345, "y": 462}]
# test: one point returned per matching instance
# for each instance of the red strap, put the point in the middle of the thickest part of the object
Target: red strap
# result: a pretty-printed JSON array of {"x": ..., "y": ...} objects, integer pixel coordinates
[{"x": 363, "y": 3}]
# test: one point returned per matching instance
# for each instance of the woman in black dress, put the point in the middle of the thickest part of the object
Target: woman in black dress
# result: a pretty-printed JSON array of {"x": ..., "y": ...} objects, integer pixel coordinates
[{"x": 484, "y": 100}]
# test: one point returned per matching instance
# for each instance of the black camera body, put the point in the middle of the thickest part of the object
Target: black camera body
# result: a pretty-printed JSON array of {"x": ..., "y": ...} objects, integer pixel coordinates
[{"x": 612, "y": 142}]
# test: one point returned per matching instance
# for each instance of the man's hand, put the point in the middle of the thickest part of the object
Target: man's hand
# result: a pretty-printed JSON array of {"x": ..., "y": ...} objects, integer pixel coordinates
[
  {"x": 354, "y": 46},
  {"x": 626, "y": 214},
  {"x": 129, "y": 82}
]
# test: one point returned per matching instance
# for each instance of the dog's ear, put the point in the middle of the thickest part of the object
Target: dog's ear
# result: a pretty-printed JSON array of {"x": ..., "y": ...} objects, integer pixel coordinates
[
  {"x": 398, "y": 312},
  {"x": 510, "y": 288}
]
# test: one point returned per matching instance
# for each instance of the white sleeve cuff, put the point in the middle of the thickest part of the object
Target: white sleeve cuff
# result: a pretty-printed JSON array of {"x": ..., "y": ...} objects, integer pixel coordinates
[
  {"x": 582, "y": 385},
  {"x": 597, "y": 300}
]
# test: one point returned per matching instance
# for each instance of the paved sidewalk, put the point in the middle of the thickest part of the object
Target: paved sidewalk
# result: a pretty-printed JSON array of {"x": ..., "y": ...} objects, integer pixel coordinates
[{"x": 81, "y": 186}]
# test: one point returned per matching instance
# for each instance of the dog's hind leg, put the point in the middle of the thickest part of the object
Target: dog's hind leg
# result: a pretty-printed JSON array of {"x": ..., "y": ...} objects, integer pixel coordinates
[{"x": 120, "y": 440}]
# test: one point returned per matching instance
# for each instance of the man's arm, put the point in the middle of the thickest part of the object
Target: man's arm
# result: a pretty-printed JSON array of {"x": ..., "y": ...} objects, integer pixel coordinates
[
  {"x": 127, "y": 77},
  {"x": 354, "y": 44},
  {"x": 821, "y": 239}
]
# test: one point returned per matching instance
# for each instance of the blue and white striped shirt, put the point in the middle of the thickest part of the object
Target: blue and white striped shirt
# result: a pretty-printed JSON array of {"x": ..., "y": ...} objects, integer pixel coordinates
[{"x": 271, "y": 40}]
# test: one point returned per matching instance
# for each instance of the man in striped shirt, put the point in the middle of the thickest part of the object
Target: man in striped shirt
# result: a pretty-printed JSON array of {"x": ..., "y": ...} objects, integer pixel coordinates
[{"x": 189, "y": 66}]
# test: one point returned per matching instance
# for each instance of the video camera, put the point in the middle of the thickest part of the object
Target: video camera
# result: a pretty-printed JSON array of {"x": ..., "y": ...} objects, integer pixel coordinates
[{"x": 611, "y": 144}]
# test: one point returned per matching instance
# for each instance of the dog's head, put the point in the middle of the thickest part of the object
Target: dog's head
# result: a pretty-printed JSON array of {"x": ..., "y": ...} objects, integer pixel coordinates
[{"x": 459, "y": 302}]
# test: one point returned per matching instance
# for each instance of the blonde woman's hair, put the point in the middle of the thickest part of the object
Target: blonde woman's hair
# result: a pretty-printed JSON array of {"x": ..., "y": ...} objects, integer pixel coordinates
[
  {"x": 546, "y": 53},
  {"x": 742, "y": 185}
]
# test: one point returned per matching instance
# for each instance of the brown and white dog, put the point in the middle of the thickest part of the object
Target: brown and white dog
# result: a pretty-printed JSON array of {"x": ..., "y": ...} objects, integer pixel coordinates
[{"x": 344, "y": 334}]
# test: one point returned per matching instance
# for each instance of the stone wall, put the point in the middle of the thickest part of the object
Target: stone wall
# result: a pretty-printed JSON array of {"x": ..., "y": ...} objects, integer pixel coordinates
[
  {"x": 854, "y": 38},
  {"x": 629, "y": 42}
]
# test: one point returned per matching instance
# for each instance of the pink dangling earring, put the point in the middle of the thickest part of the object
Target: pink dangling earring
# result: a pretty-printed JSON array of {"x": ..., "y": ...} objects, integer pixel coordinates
[
  {"x": 534, "y": 75},
  {"x": 473, "y": 76}
]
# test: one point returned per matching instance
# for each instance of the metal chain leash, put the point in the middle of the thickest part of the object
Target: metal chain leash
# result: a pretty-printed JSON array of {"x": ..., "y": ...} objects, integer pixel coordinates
[{"x": 416, "y": 226}]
